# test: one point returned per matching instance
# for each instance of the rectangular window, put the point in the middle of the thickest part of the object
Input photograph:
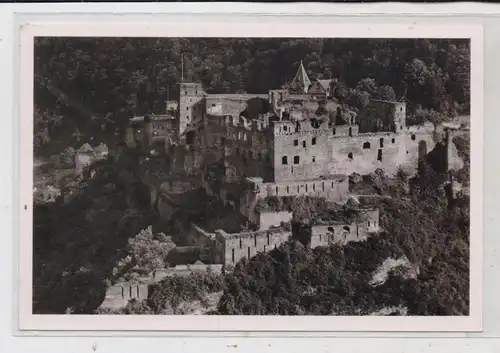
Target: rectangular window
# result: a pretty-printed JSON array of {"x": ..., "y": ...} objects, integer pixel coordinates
[
  {"x": 276, "y": 190},
  {"x": 313, "y": 140},
  {"x": 314, "y": 159},
  {"x": 295, "y": 142},
  {"x": 232, "y": 255},
  {"x": 306, "y": 187},
  {"x": 304, "y": 144},
  {"x": 255, "y": 240},
  {"x": 249, "y": 252},
  {"x": 296, "y": 160},
  {"x": 323, "y": 185},
  {"x": 314, "y": 187},
  {"x": 287, "y": 189},
  {"x": 284, "y": 160}
]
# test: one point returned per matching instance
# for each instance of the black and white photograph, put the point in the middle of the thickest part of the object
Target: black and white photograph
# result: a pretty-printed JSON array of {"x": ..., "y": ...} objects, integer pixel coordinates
[{"x": 251, "y": 176}]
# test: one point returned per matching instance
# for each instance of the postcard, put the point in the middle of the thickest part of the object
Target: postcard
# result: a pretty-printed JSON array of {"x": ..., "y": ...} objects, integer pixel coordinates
[{"x": 282, "y": 177}]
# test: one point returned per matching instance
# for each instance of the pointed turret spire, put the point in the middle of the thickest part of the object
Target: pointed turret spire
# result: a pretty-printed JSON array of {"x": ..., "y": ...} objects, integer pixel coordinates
[{"x": 301, "y": 79}]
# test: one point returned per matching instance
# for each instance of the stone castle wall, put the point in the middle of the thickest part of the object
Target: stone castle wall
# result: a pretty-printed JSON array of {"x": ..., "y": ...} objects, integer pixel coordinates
[
  {"x": 248, "y": 244},
  {"x": 341, "y": 234}
]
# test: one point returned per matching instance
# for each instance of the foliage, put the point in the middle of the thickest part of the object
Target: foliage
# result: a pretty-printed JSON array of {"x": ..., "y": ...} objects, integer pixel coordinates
[
  {"x": 77, "y": 244},
  {"x": 147, "y": 251},
  {"x": 172, "y": 291},
  {"x": 420, "y": 116}
]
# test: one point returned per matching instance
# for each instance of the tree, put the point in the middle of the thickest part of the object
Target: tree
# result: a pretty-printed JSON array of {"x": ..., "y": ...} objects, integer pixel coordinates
[
  {"x": 368, "y": 85},
  {"x": 339, "y": 91},
  {"x": 148, "y": 251},
  {"x": 358, "y": 99},
  {"x": 385, "y": 93}
]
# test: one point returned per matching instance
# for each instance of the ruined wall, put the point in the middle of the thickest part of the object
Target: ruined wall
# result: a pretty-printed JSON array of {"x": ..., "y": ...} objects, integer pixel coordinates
[
  {"x": 334, "y": 188},
  {"x": 248, "y": 244},
  {"x": 341, "y": 234},
  {"x": 364, "y": 153},
  {"x": 199, "y": 237},
  {"x": 267, "y": 220},
  {"x": 301, "y": 150},
  {"x": 382, "y": 116},
  {"x": 119, "y": 295},
  {"x": 159, "y": 129}
]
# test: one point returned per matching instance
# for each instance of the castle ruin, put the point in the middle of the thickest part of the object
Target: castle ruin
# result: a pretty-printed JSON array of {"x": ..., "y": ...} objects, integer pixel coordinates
[{"x": 284, "y": 143}]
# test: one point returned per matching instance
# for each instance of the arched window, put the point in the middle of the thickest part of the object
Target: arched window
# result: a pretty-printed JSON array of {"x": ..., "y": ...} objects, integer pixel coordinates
[
  {"x": 330, "y": 229},
  {"x": 366, "y": 145},
  {"x": 349, "y": 155},
  {"x": 347, "y": 229},
  {"x": 413, "y": 137}
]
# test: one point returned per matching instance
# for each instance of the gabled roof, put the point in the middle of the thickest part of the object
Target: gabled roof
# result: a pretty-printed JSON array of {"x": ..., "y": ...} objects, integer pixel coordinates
[
  {"x": 326, "y": 83},
  {"x": 301, "y": 76}
]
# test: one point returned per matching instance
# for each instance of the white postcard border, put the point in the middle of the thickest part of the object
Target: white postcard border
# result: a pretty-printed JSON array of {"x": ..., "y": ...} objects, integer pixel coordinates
[{"x": 278, "y": 27}]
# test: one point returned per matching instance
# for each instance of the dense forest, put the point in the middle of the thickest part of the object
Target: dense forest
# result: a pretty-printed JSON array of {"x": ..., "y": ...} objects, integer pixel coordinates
[{"x": 91, "y": 86}]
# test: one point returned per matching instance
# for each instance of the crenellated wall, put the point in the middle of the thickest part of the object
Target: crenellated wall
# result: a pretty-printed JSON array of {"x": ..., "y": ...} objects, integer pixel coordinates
[
  {"x": 341, "y": 234},
  {"x": 248, "y": 244}
]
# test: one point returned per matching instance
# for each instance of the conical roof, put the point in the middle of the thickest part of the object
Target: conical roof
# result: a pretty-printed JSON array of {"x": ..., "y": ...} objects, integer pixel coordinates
[{"x": 302, "y": 78}]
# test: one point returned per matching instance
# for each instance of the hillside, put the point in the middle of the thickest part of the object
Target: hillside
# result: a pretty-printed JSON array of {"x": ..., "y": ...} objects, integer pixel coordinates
[{"x": 89, "y": 87}]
